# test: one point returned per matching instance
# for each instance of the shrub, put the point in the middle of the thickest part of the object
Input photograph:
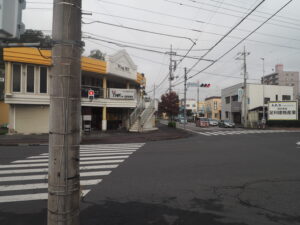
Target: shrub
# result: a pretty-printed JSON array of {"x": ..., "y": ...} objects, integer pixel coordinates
[
  {"x": 172, "y": 124},
  {"x": 283, "y": 123}
]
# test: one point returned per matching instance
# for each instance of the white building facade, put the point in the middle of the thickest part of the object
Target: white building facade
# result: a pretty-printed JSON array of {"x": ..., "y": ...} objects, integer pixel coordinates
[{"x": 258, "y": 96}]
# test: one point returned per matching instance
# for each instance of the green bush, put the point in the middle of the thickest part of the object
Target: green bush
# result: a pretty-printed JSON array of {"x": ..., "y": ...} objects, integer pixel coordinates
[
  {"x": 3, "y": 131},
  {"x": 283, "y": 123},
  {"x": 172, "y": 124}
]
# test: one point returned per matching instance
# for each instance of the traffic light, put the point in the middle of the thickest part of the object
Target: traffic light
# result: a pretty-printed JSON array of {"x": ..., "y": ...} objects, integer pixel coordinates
[{"x": 205, "y": 85}]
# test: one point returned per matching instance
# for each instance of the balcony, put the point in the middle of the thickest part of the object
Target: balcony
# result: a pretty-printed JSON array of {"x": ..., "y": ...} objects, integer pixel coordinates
[{"x": 236, "y": 106}]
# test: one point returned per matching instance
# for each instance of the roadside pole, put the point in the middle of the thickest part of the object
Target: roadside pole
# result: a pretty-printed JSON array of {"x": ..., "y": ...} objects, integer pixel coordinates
[
  {"x": 198, "y": 90},
  {"x": 263, "y": 83},
  {"x": 185, "y": 89},
  {"x": 65, "y": 110},
  {"x": 245, "y": 88}
]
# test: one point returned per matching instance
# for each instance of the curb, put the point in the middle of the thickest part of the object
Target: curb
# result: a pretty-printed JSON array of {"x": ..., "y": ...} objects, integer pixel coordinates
[{"x": 24, "y": 144}]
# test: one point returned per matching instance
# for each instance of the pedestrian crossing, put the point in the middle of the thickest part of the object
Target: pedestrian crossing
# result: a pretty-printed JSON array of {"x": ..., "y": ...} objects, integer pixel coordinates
[
  {"x": 27, "y": 180},
  {"x": 237, "y": 132}
]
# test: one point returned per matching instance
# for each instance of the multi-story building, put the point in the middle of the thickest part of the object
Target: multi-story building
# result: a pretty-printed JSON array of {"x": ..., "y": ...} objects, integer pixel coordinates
[
  {"x": 283, "y": 78},
  {"x": 191, "y": 106},
  {"x": 213, "y": 107},
  {"x": 233, "y": 104},
  {"x": 115, "y": 82}
]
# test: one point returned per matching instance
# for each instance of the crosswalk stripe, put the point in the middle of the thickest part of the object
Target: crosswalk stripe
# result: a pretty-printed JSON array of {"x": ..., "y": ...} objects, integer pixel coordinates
[
  {"x": 84, "y": 155},
  {"x": 46, "y": 164},
  {"x": 45, "y": 176},
  {"x": 100, "y": 152},
  {"x": 82, "y": 159},
  {"x": 41, "y": 170},
  {"x": 29, "y": 197},
  {"x": 20, "y": 187}
]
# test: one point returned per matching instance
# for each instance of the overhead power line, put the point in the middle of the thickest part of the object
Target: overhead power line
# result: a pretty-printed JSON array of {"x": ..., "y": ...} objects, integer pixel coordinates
[
  {"x": 142, "y": 49},
  {"x": 141, "y": 30},
  {"x": 238, "y": 42},
  {"x": 230, "y": 14}
]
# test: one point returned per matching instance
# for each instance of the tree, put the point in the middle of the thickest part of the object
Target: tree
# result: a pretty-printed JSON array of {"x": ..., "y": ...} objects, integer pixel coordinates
[
  {"x": 97, "y": 54},
  {"x": 169, "y": 104}
]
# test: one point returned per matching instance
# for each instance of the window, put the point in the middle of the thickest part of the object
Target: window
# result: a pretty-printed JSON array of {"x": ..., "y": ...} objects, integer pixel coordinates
[
  {"x": 286, "y": 97},
  {"x": 43, "y": 80},
  {"x": 266, "y": 100},
  {"x": 227, "y": 100},
  {"x": 216, "y": 115},
  {"x": 276, "y": 97},
  {"x": 215, "y": 105},
  {"x": 226, "y": 114},
  {"x": 187, "y": 105},
  {"x": 234, "y": 98},
  {"x": 16, "y": 78},
  {"x": 30, "y": 79}
]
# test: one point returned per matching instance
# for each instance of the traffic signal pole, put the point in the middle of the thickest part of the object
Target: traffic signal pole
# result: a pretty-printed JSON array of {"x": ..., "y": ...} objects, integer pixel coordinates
[{"x": 65, "y": 110}]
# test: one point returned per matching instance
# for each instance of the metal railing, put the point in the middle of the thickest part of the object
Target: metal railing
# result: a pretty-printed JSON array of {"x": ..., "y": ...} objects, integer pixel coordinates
[
  {"x": 147, "y": 112},
  {"x": 136, "y": 112}
]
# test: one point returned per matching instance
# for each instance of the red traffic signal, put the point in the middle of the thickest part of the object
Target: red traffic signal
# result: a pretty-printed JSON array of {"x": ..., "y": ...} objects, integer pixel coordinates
[{"x": 205, "y": 85}]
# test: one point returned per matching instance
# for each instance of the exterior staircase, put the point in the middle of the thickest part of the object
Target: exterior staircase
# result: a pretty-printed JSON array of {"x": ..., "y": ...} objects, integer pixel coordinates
[{"x": 142, "y": 118}]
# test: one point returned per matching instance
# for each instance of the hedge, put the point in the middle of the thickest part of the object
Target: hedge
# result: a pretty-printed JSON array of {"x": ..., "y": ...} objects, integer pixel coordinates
[
  {"x": 172, "y": 124},
  {"x": 283, "y": 123}
]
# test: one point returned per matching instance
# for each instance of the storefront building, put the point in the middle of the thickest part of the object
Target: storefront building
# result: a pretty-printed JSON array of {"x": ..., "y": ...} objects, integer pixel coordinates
[{"x": 115, "y": 84}]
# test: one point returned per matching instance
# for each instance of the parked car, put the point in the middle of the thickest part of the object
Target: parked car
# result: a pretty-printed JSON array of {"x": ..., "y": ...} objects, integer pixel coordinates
[
  {"x": 213, "y": 122},
  {"x": 182, "y": 121},
  {"x": 202, "y": 122},
  {"x": 226, "y": 124}
]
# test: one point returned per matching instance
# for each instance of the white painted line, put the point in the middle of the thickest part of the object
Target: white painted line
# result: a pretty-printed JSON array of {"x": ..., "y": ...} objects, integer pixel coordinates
[
  {"x": 298, "y": 143},
  {"x": 101, "y": 162},
  {"x": 96, "y": 152},
  {"x": 45, "y": 176},
  {"x": 20, "y": 187},
  {"x": 204, "y": 133},
  {"x": 82, "y": 159},
  {"x": 44, "y": 170},
  {"x": 46, "y": 164},
  {"x": 83, "y": 155},
  {"x": 29, "y": 197}
]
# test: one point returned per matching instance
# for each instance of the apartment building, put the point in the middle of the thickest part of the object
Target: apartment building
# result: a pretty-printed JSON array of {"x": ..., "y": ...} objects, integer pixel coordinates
[{"x": 213, "y": 107}]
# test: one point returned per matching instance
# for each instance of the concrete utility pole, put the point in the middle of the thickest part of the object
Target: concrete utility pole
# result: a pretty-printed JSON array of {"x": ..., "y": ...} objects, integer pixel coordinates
[
  {"x": 245, "y": 88},
  {"x": 185, "y": 89},
  {"x": 172, "y": 67},
  {"x": 65, "y": 110},
  {"x": 198, "y": 90},
  {"x": 263, "y": 83}
]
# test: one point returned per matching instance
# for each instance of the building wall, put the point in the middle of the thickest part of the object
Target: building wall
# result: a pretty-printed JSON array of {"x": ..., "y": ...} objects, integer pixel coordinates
[
  {"x": 254, "y": 95},
  {"x": 4, "y": 112},
  {"x": 27, "y": 119},
  {"x": 213, "y": 108}
]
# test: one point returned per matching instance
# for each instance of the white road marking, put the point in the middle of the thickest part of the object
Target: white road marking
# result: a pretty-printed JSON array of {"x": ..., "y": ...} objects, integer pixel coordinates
[
  {"x": 29, "y": 197},
  {"x": 83, "y": 155},
  {"x": 20, "y": 187},
  {"x": 82, "y": 159},
  {"x": 45, "y": 176},
  {"x": 43, "y": 170}
]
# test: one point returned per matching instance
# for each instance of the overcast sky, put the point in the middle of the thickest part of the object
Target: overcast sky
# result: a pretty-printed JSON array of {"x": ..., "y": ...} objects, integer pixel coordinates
[{"x": 203, "y": 21}]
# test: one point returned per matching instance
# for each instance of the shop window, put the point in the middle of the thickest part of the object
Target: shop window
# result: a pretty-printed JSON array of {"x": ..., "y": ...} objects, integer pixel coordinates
[
  {"x": 16, "y": 77},
  {"x": 30, "y": 79},
  {"x": 286, "y": 97},
  {"x": 43, "y": 79}
]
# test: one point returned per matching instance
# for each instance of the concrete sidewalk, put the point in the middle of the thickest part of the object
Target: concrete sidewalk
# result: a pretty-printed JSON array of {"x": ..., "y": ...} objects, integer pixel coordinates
[{"x": 109, "y": 137}]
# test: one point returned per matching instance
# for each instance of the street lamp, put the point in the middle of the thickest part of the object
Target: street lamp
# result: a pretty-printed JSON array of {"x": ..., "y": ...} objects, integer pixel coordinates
[{"x": 263, "y": 83}]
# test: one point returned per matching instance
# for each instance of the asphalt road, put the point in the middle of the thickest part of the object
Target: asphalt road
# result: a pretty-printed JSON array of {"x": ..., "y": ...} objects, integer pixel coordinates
[{"x": 209, "y": 180}]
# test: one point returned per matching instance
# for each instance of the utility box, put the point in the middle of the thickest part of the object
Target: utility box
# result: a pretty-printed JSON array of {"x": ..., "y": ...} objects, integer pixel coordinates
[{"x": 11, "y": 25}]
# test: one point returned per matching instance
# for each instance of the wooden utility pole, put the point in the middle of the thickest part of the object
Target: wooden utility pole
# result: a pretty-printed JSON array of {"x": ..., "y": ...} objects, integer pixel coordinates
[
  {"x": 245, "y": 53},
  {"x": 65, "y": 110}
]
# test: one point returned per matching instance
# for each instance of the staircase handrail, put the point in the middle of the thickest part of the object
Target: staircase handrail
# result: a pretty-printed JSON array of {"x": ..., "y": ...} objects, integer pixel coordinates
[
  {"x": 150, "y": 109},
  {"x": 136, "y": 112}
]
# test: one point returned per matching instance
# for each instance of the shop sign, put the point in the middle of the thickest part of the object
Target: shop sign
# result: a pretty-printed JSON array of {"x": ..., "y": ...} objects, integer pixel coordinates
[
  {"x": 128, "y": 94},
  {"x": 284, "y": 110}
]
